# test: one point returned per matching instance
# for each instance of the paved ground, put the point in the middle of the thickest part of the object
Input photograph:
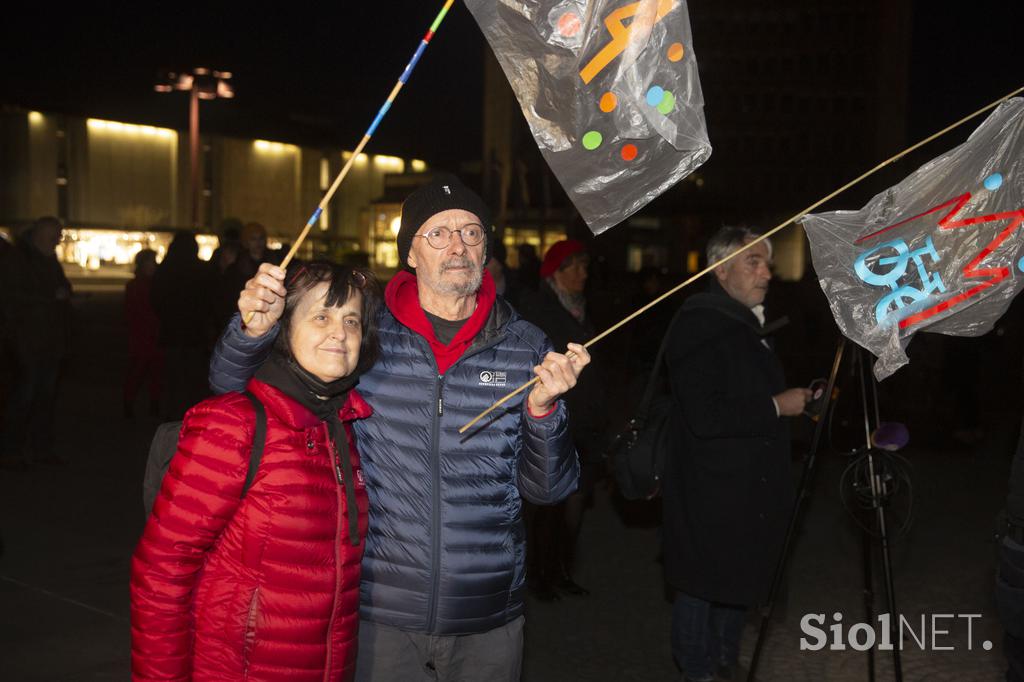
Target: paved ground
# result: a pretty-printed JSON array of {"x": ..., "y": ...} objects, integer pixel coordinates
[{"x": 68, "y": 534}]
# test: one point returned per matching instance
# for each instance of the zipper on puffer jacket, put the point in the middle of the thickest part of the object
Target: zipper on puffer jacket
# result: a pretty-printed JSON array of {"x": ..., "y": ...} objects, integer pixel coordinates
[
  {"x": 336, "y": 465},
  {"x": 435, "y": 507},
  {"x": 250, "y": 631},
  {"x": 435, "y": 470}
]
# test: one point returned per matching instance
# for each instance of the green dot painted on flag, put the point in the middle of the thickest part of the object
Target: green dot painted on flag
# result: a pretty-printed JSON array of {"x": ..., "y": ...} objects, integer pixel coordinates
[
  {"x": 592, "y": 140},
  {"x": 668, "y": 103}
]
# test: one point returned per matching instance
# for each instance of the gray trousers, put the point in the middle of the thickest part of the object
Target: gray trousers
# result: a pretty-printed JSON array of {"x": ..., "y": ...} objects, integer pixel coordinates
[{"x": 387, "y": 654}]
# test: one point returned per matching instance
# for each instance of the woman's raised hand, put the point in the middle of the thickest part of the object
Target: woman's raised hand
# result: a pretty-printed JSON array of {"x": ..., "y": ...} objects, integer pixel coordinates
[{"x": 262, "y": 300}]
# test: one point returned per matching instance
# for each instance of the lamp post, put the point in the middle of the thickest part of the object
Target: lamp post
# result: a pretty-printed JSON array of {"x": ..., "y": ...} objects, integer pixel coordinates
[{"x": 202, "y": 83}]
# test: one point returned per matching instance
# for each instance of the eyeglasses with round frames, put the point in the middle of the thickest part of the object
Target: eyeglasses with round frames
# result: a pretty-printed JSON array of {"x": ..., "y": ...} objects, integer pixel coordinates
[{"x": 440, "y": 237}]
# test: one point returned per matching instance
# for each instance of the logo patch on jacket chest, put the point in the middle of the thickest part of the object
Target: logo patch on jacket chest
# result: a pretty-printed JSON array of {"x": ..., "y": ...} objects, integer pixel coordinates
[{"x": 492, "y": 378}]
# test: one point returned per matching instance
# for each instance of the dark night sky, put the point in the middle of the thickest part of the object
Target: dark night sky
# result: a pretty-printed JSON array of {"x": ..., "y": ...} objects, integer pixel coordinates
[
  {"x": 319, "y": 74},
  {"x": 298, "y": 73}
]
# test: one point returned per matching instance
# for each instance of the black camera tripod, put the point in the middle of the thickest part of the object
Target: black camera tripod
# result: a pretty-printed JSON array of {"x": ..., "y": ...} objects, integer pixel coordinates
[{"x": 872, "y": 483}]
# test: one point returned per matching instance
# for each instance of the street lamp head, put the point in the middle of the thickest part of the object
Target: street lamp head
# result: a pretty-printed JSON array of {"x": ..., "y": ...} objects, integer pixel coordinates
[{"x": 206, "y": 83}]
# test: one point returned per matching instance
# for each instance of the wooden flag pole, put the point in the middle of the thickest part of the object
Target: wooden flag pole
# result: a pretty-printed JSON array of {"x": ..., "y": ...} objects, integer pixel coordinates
[{"x": 760, "y": 239}]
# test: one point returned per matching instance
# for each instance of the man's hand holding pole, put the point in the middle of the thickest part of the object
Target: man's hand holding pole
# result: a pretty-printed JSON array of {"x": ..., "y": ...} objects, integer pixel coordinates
[{"x": 556, "y": 375}]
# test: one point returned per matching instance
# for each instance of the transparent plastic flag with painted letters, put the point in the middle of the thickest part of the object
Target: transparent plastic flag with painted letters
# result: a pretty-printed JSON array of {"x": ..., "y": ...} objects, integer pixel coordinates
[
  {"x": 942, "y": 251},
  {"x": 610, "y": 91}
]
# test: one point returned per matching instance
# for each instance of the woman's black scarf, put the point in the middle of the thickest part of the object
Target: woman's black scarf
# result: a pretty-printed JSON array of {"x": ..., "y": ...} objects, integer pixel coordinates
[{"x": 324, "y": 399}]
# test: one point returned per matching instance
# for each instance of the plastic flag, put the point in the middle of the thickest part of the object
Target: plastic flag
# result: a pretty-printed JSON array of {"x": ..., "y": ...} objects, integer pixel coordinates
[
  {"x": 940, "y": 252},
  {"x": 610, "y": 91}
]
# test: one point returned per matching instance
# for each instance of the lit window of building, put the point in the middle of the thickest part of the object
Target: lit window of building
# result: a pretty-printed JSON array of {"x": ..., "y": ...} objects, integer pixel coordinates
[
  {"x": 389, "y": 164},
  {"x": 268, "y": 147},
  {"x": 113, "y": 251},
  {"x": 386, "y": 222},
  {"x": 540, "y": 240},
  {"x": 789, "y": 255}
]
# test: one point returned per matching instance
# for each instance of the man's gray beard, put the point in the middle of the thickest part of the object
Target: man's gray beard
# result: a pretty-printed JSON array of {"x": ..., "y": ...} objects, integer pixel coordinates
[{"x": 466, "y": 288}]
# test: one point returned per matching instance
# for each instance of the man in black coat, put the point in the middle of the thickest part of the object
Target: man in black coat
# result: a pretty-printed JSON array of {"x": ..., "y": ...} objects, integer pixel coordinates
[{"x": 727, "y": 491}]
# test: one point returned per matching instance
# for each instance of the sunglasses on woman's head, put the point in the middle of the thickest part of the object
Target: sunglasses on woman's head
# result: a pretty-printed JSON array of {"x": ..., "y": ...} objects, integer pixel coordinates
[{"x": 319, "y": 271}]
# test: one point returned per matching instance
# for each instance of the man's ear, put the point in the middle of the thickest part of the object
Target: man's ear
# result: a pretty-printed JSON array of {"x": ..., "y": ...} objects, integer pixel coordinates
[
  {"x": 410, "y": 260},
  {"x": 721, "y": 272}
]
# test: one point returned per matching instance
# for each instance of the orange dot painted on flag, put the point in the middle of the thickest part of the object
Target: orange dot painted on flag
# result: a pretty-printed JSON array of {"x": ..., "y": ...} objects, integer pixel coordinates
[
  {"x": 569, "y": 24},
  {"x": 608, "y": 102},
  {"x": 675, "y": 52},
  {"x": 629, "y": 152}
]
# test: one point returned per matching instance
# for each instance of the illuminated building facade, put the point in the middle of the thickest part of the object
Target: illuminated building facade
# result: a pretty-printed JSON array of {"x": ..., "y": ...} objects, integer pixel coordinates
[{"x": 120, "y": 187}]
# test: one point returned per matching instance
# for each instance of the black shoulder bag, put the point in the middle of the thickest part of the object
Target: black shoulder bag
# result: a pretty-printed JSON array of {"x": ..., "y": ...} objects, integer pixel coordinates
[{"x": 638, "y": 452}]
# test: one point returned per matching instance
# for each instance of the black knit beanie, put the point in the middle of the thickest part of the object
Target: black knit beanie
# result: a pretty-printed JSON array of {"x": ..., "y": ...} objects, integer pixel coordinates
[{"x": 442, "y": 193}]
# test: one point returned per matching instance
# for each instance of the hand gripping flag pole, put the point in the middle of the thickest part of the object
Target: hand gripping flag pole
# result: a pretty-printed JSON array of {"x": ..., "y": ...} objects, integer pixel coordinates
[
  {"x": 366, "y": 137},
  {"x": 760, "y": 239}
]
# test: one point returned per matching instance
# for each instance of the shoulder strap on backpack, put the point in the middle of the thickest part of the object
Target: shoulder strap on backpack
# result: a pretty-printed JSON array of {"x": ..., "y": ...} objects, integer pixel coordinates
[
  {"x": 259, "y": 439},
  {"x": 652, "y": 381}
]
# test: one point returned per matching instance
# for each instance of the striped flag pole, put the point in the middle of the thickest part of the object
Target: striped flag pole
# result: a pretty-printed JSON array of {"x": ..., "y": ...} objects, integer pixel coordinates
[{"x": 369, "y": 133}]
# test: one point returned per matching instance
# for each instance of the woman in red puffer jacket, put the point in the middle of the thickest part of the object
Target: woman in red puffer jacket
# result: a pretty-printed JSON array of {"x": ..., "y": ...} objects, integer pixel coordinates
[{"x": 266, "y": 587}]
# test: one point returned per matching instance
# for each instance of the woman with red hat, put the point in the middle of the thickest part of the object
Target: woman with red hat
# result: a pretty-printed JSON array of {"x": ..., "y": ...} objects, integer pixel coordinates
[{"x": 559, "y": 308}]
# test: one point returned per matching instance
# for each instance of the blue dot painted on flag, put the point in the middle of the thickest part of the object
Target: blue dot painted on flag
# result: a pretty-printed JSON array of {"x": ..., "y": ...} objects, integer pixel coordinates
[
  {"x": 1020, "y": 264},
  {"x": 992, "y": 182},
  {"x": 655, "y": 95}
]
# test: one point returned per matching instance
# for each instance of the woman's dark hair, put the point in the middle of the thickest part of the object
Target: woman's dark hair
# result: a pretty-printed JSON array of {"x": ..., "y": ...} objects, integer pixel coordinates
[{"x": 342, "y": 281}]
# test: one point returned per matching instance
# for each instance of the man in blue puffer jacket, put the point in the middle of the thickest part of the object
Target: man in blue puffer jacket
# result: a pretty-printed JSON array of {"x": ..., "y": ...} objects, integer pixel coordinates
[{"x": 443, "y": 570}]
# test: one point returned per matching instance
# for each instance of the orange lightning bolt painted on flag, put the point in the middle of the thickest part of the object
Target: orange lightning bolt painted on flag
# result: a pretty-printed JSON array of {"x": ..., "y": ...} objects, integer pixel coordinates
[{"x": 621, "y": 34}]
